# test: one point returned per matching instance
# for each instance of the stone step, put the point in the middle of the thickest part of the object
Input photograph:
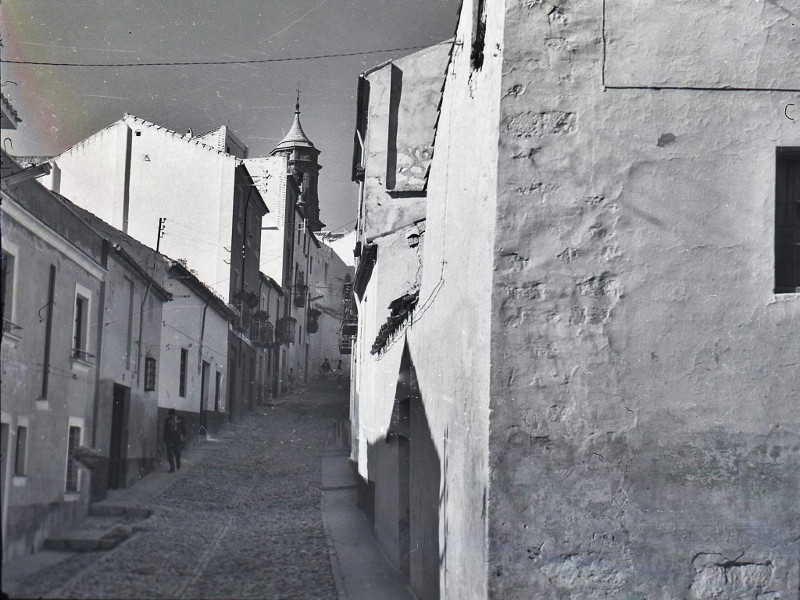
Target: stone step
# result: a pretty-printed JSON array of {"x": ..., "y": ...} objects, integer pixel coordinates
[
  {"x": 118, "y": 510},
  {"x": 97, "y": 533}
]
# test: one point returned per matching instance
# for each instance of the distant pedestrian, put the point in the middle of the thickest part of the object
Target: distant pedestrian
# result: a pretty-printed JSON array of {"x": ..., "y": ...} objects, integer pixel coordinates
[
  {"x": 339, "y": 366},
  {"x": 174, "y": 438},
  {"x": 291, "y": 380},
  {"x": 325, "y": 369}
]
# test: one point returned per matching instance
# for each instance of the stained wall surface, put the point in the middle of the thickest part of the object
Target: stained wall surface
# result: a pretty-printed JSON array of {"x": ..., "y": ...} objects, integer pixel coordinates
[
  {"x": 449, "y": 341},
  {"x": 644, "y": 433},
  {"x": 36, "y": 503},
  {"x": 168, "y": 176}
]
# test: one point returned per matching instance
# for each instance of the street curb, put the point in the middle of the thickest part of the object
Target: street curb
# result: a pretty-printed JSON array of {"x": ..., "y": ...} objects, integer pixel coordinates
[{"x": 333, "y": 557}]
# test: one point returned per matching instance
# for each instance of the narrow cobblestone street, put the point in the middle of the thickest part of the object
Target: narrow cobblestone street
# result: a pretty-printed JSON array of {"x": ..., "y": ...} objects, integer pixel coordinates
[{"x": 243, "y": 521}]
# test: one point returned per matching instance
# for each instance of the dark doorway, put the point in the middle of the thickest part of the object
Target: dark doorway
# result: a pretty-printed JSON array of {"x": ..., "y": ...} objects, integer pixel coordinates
[
  {"x": 404, "y": 493},
  {"x": 204, "y": 383},
  {"x": 418, "y": 484},
  {"x": 232, "y": 396},
  {"x": 117, "y": 455},
  {"x": 276, "y": 373}
]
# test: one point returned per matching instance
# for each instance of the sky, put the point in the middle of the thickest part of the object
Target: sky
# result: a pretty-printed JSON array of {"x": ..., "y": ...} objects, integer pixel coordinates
[{"x": 60, "y": 106}]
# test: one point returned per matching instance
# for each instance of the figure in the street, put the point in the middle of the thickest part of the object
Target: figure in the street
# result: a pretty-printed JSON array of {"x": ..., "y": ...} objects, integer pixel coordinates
[
  {"x": 174, "y": 437},
  {"x": 291, "y": 380},
  {"x": 325, "y": 369},
  {"x": 341, "y": 371}
]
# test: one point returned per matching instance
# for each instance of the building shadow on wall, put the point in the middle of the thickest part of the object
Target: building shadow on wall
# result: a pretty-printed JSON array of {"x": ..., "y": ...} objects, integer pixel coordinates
[{"x": 403, "y": 492}]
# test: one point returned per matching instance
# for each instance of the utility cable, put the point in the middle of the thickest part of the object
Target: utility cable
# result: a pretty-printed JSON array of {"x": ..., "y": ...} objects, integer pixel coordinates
[{"x": 217, "y": 62}]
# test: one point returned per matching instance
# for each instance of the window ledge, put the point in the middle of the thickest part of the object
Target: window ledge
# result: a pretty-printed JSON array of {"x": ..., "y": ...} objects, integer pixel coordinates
[
  {"x": 81, "y": 367},
  {"x": 82, "y": 361},
  {"x": 42, "y": 404},
  {"x": 72, "y": 496},
  {"x": 19, "y": 480},
  {"x": 12, "y": 334}
]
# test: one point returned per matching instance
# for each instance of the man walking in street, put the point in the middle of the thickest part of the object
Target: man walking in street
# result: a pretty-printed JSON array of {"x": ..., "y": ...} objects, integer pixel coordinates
[
  {"x": 325, "y": 369},
  {"x": 174, "y": 437}
]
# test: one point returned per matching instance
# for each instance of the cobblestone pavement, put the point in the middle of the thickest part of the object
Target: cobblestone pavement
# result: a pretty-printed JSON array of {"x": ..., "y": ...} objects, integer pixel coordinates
[{"x": 244, "y": 523}]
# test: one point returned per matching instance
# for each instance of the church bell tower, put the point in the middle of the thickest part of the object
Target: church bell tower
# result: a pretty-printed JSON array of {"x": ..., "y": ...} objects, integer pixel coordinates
[{"x": 303, "y": 164}]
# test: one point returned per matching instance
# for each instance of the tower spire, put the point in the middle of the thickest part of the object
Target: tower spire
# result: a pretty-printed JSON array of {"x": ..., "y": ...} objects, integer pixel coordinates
[{"x": 297, "y": 104}]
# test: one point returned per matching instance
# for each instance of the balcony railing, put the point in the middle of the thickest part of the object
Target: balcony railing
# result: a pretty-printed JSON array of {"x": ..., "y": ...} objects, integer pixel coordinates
[
  {"x": 285, "y": 333},
  {"x": 300, "y": 294}
]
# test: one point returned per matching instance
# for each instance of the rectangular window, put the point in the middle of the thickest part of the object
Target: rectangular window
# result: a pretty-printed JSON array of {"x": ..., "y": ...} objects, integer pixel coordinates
[
  {"x": 787, "y": 221},
  {"x": 184, "y": 361},
  {"x": 20, "y": 456},
  {"x": 149, "y": 374},
  {"x": 9, "y": 262},
  {"x": 79, "y": 339},
  {"x": 73, "y": 441},
  {"x": 218, "y": 382}
]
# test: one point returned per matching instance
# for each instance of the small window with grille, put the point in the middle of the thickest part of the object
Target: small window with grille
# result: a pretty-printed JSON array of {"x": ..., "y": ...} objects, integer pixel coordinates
[{"x": 149, "y": 374}]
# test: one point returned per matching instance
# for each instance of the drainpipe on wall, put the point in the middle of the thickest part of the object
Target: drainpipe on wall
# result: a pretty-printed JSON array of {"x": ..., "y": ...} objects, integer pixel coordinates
[
  {"x": 241, "y": 284},
  {"x": 101, "y": 332},
  {"x": 141, "y": 324},
  {"x": 200, "y": 359}
]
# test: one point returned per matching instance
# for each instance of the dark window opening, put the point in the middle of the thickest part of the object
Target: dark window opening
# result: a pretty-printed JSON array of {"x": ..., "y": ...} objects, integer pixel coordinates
[
  {"x": 21, "y": 451},
  {"x": 8, "y": 284},
  {"x": 182, "y": 384},
  {"x": 79, "y": 342},
  {"x": 218, "y": 382},
  {"x": 478, "y": 34},
  {"x": 72, "y": 468},
  {"x": 787, "y": 221},
  {"x": 149, "y": 374}
]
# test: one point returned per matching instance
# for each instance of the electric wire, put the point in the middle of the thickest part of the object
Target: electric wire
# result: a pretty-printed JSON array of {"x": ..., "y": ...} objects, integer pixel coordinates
[{"x": 218, "y": 62}]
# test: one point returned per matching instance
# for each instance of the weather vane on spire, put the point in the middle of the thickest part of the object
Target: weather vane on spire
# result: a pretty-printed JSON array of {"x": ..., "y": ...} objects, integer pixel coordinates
[{"x": 297, "y": 105}]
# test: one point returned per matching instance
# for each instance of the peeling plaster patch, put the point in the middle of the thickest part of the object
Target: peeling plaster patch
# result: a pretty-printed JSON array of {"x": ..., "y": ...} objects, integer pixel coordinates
[
  {"x": 666, "y": 139},
  {"x": 529, "y": 124},
  {"x": 600, "y": 285},
  {"x": 529, "y": 154},
  {"x": 556, "y": 43},
  {"x": 536, "y": 187},
  {"x": 513, "y": 262},
  {"x": 716, "y": 577},
  {"x": 516, "y": 90},
  {"x": 412, "y": 165},
  {"x": 568, "y": 254},
  {"x": 527, "y": 291},
  {"x": 556, "y": 17},
  {"x": 586, "y": 578}
]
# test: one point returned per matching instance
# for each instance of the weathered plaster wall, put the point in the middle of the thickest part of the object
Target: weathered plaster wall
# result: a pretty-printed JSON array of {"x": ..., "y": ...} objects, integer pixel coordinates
[
  {"x": 36, "y": 504},
  {"x": 98, "y": 164},
  {"x": 269, "y": 175},
  {"x": 644, "y": 431},
  {"x": 392, "y": 277},
  {"x": 742, "y": 43},
  {"x": 170, "y": 176},
  {"x": 449, "y": 341},
  {"x": 403, "y": 98},
  {"x": 123, "y": 363}
]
